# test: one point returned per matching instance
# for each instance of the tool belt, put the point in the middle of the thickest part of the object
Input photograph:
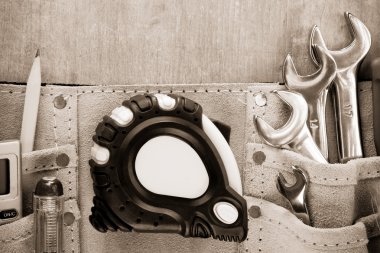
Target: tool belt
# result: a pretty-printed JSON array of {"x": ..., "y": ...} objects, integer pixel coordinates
[{"x": 341, "y": 197}]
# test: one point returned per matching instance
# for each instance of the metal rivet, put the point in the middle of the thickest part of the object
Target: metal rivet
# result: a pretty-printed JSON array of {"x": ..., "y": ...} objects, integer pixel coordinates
[
  {"x": 59, "y": 102},
  {"x": 62, "y": 160},
  {"x": 254, "y": 211},
  {"x": 260, "y": 99},
  {"x": 259, "y": 157},
  {"x": 68, "y": 218}
]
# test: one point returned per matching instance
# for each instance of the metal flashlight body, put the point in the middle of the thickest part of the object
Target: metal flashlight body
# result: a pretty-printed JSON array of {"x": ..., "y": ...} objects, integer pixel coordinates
[{"x": 48, "y": 204}]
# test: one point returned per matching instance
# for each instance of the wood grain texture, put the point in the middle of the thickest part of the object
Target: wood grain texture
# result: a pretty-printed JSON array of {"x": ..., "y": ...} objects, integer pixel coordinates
[{"x": 168, "y": 41}]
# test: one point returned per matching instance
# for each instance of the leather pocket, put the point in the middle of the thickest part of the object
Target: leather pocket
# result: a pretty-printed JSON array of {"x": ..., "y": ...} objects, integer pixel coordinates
[
  {"x": 338, "y": 194},
  {"x": 274, "y": 229},
  {"x": 62, "y": 163}
]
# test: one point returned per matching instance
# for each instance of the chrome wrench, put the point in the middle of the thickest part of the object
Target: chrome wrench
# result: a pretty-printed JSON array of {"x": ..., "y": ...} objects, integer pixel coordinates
[
  {"x": 294, "y": 133},
  {"x": 295, "y": 194},
  {"x": 347, "y": 60},
  {"x": 314, "y": 89}
]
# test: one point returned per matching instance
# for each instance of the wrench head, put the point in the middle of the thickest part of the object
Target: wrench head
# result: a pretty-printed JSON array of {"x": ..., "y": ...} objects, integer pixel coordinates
[
  {"x": 295, "y": 189},
  {"x": 311, "y": 86},
  {"x": 351, "y": 55},
  {"x": 290, "y": 130},
  {"x": 295, "y": 193}
]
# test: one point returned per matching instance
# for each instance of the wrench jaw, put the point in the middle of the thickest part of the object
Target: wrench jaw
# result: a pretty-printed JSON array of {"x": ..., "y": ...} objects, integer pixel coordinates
[
  {"x": 314, "y": 89},
  {"x": 347, "y": 60},
  {"x": 295, "y": 194},
  {"x": 294, "y": 133},
  {"x": 311, "y": 86},
  {"x": 354, "y": 53},
  {"x": 292, "y": 128}
]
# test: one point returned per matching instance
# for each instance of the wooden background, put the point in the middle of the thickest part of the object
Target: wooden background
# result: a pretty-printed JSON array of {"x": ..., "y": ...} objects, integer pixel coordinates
[{"x": 166, "y": 41}]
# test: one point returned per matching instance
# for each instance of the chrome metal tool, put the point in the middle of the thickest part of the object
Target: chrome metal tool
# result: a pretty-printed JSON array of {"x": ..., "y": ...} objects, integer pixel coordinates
[
  {"x": 294, "y": 133},
  {"x": 314, "y": 89},
  {"x": 296, "y": 193},
  {"x": 347, "y": 60}
]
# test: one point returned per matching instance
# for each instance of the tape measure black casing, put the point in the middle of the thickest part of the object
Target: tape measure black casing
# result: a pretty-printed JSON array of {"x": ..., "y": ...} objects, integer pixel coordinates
[{"x": 122, "y": 203}]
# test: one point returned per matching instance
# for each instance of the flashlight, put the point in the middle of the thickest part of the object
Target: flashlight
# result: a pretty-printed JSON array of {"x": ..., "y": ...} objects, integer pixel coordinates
[{"x": 48, "y": 201}]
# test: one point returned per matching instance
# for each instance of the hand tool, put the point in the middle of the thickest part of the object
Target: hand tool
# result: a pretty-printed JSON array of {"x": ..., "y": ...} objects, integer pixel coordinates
[
  {"x": 295, "y": 194},
  {"x": 314, "y": 89},
  {"x": 294, "y": 133},
  {"x": 370, "y": 71},
  {"x": 160, "y": 165},
  {"x": 48, "y": 204},
  {"x": 10, "y": 151},
  {"x": 347, "y": 60}
]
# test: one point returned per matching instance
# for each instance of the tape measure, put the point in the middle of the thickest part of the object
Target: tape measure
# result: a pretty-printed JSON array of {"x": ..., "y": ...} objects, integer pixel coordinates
[{"x": 160, "y": 165}]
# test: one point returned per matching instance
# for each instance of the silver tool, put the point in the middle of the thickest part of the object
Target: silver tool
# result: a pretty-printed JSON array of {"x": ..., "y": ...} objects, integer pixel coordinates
[
  {"x": 314, "y": 89},
  {"x": 296, "y": 193},
  {"x": 48, "y": 204},
  {"x": 294, "y": 134},
  {"x": 347, "y": 60},
  {"x": 11, "y": 150}
]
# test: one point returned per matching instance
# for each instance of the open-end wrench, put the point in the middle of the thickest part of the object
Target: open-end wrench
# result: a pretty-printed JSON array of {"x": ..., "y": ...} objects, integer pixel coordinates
[
  {"x": 296, "y": 193},
  {"x": 314, "y": 89},
  {"x": 294, "y": 133},
  {"x": 347, "y": 60}
]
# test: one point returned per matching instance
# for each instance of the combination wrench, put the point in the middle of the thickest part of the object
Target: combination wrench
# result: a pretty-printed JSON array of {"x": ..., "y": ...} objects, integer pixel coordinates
[{"x": 347, "y": 60}]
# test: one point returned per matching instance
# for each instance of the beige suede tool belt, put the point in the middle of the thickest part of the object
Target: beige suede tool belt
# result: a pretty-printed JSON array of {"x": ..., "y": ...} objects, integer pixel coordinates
[{"x": 341, "y": 197}]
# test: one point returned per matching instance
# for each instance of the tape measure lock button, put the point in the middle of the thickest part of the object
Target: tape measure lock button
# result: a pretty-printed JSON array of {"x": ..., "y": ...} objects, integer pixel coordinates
[{"x": 226, "y": 212}]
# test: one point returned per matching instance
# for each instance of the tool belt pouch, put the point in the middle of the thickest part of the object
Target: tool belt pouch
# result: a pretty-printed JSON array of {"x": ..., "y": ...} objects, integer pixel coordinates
[
  {"x": 338, "y": 195},
  {"x": 60, "y": 162}
]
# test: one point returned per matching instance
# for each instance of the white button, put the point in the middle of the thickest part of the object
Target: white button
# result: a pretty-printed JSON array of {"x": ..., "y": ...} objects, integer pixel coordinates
[
  {"x": 100, "y": 154},
  {"x": 260, "y": 99},
  {"x": 165, "y": 102},
  {"x": 226, "y": 212},
  {"x": 122, "y": 115}
]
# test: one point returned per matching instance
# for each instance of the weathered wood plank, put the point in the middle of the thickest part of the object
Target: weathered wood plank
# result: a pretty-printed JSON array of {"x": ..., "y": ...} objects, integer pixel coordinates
[{"x": 168, "y": 41}]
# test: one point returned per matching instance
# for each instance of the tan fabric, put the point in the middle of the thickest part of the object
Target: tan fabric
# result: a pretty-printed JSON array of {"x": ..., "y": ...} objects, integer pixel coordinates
[
  {"x": 278, "y": 230},
  {"x": 70, "y": 130},
  {"x": 333, "y": 190}
]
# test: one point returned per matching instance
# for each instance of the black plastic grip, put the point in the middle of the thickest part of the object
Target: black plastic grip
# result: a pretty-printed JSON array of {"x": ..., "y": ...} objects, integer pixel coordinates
[{"x": 121, "y": 202}]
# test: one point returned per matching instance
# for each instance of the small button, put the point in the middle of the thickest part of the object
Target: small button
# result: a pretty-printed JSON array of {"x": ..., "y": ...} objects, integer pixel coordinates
[
  {"x": 254, "y": 212},
  {"x": 59, "y": 102},
  {"x": 226, "y": 212},
  {"x": 260, "y": 99},
  {"x": 8, "y": 214},
  {"x": 62, "y": 160},
  {"x": 165, "y": 102},
  {"x": 68, "y": 218},
  {"x": 122, "y": 115},
  {"x": 100, "y": 154},
  {"x": 259, "y": 157}
]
